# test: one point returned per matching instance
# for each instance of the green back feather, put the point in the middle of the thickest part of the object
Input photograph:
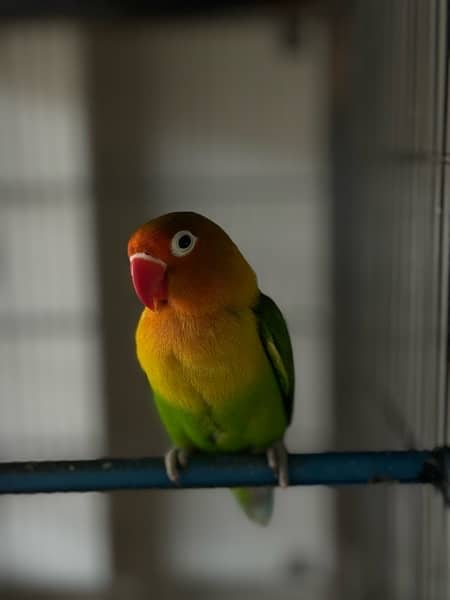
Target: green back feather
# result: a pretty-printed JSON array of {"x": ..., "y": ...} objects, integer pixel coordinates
[{"x": 275, "y": 338}]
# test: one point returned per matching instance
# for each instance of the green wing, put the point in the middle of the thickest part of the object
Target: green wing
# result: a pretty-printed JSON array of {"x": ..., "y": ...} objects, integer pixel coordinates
[{"x": 275, "y": 338}]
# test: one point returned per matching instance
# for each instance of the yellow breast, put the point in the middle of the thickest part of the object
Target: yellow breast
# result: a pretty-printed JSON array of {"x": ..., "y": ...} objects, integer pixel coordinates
[{"x": 193, "y": 362}]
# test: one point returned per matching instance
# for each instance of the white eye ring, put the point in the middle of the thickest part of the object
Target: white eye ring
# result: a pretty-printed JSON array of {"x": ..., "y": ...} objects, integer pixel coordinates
[{"x": 178, "y": 250}]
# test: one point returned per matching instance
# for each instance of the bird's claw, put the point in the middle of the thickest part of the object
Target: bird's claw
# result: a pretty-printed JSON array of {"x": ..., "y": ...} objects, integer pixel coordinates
[
  {"x": 277, "y": 458},
  {"x": 175, "y": 459}
]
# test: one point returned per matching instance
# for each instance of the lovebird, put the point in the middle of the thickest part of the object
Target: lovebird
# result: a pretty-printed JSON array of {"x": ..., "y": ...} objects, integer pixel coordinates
[{"x": 215, "y": 349}]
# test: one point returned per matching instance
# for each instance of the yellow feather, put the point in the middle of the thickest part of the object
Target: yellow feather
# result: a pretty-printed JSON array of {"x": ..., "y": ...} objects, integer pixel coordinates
[{"x": 193, "y": 362}]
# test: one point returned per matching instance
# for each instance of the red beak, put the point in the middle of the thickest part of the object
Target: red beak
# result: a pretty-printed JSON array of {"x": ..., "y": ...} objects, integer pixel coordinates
[{"x": 149, "y": 279}]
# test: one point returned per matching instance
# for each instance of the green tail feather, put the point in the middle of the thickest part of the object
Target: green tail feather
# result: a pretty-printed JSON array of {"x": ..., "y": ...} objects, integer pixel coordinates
[{"x": 257, "y": 503}]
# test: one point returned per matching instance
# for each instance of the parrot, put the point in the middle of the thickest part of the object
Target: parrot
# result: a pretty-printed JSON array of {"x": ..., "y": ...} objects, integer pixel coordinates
[{"x": 216, "y": 350}]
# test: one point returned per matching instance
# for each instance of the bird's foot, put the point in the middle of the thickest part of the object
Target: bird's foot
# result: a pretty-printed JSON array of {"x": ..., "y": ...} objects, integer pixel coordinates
[
  {"x": 277, "y": 457},
  {"x": 174, "y": 460}
]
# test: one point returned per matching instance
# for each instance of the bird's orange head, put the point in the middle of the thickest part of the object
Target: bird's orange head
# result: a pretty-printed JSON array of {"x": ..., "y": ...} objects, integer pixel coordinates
[{"x": 185, "y": 261}]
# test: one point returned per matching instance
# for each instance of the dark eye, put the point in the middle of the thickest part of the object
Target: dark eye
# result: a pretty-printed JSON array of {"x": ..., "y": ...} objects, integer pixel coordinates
[
  {"x": 185, "y": 241},
  {"x": 182, "y": 243}
]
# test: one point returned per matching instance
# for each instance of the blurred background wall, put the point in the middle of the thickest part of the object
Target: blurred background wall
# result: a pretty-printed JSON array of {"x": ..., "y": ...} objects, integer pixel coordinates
[
  {"x": 50, "y": 379},
  {"x": 224, "y": 119},
  {"x": 104, "y": 127},
  {"x": 390, "y": 266},
  {"x": 318, "y": 140}
]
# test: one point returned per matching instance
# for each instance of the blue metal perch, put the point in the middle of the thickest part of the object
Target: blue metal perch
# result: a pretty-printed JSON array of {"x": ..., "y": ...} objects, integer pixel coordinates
[{"x": 330, "y": 468}]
